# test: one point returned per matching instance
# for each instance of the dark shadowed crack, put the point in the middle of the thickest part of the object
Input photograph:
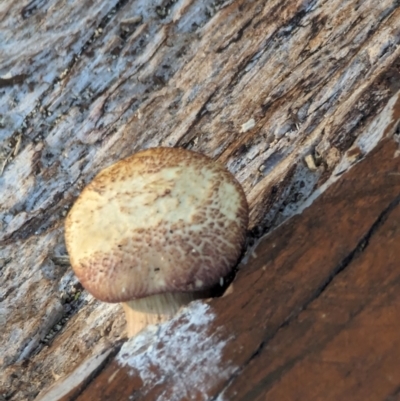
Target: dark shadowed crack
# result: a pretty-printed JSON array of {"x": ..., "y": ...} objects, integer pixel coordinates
[
  {"x": 359, "y": 249},
  {"x": 394, "y": 396}
]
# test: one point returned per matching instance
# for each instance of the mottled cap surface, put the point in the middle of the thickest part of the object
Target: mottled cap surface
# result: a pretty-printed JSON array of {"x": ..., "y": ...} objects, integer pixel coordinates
[{"x": 164, "y": 219}]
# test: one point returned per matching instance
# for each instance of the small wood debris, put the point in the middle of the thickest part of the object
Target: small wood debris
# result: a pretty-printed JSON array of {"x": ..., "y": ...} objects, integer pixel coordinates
[
  {"x": 9, "y": 80},
  {"x": 11, "y": 154},
  {"x": 128, "y": 25},
  {"x": 354, "y": 154},
  {"x": 332, "y": 157},
  {"x": 64, "y": 74},
  {"x": 5, "y": 162},
  {"x": 61, "y": 260},
  {"x": 248, "y": 125},
  {"x": 310, "y": 162},
  {"x": 17, "y": 145},
  {"x": 98, "y": 32}
]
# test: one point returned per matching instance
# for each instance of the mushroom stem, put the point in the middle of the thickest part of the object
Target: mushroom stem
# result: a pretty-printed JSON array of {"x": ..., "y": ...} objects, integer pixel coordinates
[{"x": 155, "y": 309}]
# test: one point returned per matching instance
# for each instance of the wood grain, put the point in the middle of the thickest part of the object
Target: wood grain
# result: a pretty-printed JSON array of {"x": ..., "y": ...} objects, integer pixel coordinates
[
  {"x": 257, "y": 85},
  {"x": 312, "y": 315}
]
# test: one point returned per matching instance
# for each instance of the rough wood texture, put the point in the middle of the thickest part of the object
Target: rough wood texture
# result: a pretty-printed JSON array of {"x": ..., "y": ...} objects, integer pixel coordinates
[
  {"x": 313, "y": 314},
  {"x": 287, "y": 94}
]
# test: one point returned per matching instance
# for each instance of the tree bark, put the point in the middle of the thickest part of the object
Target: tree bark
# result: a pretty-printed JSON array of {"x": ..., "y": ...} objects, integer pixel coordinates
[{"x": 289, "y": 95}]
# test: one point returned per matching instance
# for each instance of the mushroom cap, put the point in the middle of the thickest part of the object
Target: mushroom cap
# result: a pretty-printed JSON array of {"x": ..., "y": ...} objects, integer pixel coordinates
[{"x": 161, "y": 220}]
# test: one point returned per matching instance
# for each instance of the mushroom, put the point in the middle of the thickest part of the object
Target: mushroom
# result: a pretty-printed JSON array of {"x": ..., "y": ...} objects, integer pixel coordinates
[{"x": 156, "y": 231}]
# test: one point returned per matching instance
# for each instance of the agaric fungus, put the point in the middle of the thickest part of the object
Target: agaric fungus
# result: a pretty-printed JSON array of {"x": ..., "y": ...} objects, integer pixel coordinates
[{"x": 155, "y": 230}]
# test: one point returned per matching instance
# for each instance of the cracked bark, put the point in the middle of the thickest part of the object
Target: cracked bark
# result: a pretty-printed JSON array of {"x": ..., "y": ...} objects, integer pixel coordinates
[{"x": 78, "y": 92}]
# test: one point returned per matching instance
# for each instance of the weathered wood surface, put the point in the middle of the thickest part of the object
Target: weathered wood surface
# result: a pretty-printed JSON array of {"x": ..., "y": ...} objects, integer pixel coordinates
[
  {"x": 312, "y": 315},
  {"x": 256, "y": 85}
]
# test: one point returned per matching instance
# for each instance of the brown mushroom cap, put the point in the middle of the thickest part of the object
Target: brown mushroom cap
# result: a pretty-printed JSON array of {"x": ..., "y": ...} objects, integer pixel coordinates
[{"x": 162, "y": 220}]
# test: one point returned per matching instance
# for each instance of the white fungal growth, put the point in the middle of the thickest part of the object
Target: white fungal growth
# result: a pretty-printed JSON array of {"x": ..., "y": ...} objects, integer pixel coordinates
[{"x": 186, "y": 354}]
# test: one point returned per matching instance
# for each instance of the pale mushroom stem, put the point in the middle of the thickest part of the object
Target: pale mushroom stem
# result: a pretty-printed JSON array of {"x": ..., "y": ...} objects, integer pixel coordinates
[{"x": 154, "y": 309}]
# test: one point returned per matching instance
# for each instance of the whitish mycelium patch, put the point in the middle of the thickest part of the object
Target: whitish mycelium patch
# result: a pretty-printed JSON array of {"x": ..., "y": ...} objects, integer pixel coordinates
[
  {"x": 183, "y": 351},
  {"x": 161, "y": 220}
]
